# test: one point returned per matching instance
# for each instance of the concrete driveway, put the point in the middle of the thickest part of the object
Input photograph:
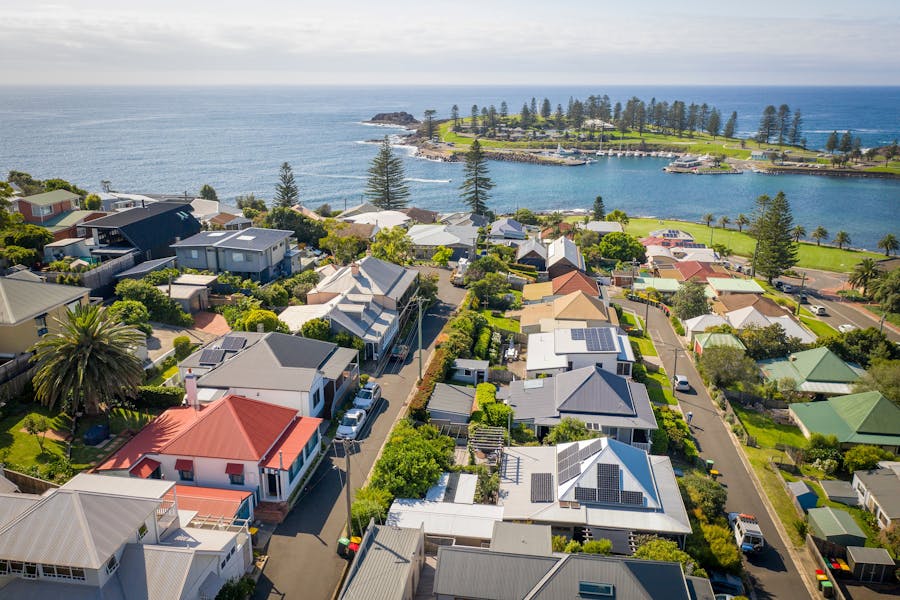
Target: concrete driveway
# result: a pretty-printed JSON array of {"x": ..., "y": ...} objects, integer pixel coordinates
[
  {"x": 303, "y": 561},
  {"x": 773, "y": 572}
]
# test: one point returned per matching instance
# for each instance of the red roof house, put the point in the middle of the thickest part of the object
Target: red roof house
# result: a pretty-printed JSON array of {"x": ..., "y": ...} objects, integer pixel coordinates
[
  {"x": 575, "y": 281},
  {"x": 691, "y": 270}
]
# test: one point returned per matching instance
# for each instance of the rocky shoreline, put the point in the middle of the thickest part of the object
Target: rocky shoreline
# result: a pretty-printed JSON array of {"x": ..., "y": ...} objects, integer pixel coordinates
[{"x": 400, "y": 119}]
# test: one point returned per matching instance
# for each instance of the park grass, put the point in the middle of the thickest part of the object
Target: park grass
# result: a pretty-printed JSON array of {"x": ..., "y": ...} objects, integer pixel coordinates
[
  {"x": 826, "y": 258},
  {"x": 499, "y": 322},
  {"x": 767, "y": 433},
  {"x": 775, "y": 491},
  {"x": 820, "y": 328}
]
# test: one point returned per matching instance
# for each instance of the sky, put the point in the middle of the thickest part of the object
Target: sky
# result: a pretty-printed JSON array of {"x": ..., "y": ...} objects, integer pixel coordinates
[{"x": 484, "y": 42}]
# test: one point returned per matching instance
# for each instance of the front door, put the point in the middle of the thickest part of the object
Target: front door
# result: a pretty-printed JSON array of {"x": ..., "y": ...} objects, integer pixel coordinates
[{"x": 272, "y": 484}]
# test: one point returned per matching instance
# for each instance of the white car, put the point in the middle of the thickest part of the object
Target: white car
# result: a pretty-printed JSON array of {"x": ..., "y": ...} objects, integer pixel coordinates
[
  {"x": 368, "y": 396},
  {"x": 846, "y": 327},
  {"x": 682, "y": 384},
  {"x": 787, "y": 288},
  {"x": 818, "y": 309},
  {"x": 351, "y": 424}
]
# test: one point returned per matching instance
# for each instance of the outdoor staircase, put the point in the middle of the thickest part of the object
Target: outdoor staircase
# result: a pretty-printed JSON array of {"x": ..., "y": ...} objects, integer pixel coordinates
[{"x": 271, "y": 512}]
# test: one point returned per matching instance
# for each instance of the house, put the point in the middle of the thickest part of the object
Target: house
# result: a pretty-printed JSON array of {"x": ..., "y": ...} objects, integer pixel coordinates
[
  {"x": 563, "y": 256},
  {"x": 307, "y": 212},
  {"x": 391, "y": 286},
  {"x": 229, "y": 222},
  {"x": 702, "y": 341},
  {"x": 835, "y": 526},
  {"x": 451, "y": 404},
  {"x": 309, "y": 376},
  {"x": 751, "y": 316},
  {"x": 803, "y": 495},
  {"x": 382, "y": 219},
  {"x": 660, "y": 257},
  {"x": 148, "y": 230},
  {"x": 867, "y": 418},
  {"x": 815, "y": 371},
  {"x": 563, "y": 229},
  {"x": 114, "y": 537},
  {"x": 878, "y": 491},
  {"x": 673, "y": 234},
  {"x": 576, "y": 309},
  {"x": 664, "y": 286},
  {"x": 235, "y": 443},
  {"x": 532, "y": 252},
  {"x": 364, "y": 232},
  {"x": 359, "y": 209},
  {"x": 601, "y": 487},
  {"x": 604, "y": 227},
  {"x": 30, "y": 310},
  {"x": 255, "y": 253},
  {"x": 560, "y": 286},
  {"x": 506, "y": 228},
  {"x": 421, "y": 215},
  {"x": 623, "y": 279},
  {"x": 722, "y": 286},
  {"x": 467, "y": 370},
  {"x": 700, "y": 324},
  {"x": 469, "y": 572},
  {"x": 464, "y": 219},
  {"x": 729, "y": 302},
  {"x": 692, "y": 270},
  {"x": 608, "y": 403},
  {"x": 70, "y": 224},
  {"x": 461, "y": 239},
  {"x": 67, "y": 247},
  {"x": 566, "y": 349},
  {"x": 387, "y": 565},
  {"x": 40, "y": 208}
]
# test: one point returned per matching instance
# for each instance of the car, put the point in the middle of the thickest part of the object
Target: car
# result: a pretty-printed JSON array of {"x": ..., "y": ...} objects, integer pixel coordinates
[
  {"x": 747, "y": 534},
  {"x": 787, "y": 288},
  {"x": 726, "y": 583},
  {"x": 367, "y": 396},
  {"x": 802, "y": 298},
  {"x": 351, "y": 424},
  {"x": 682, "y": 384},
  {"x": 818, "y": 309},
  {"x": 846, "y": 327},
  {"x": 779, "y": 285}
]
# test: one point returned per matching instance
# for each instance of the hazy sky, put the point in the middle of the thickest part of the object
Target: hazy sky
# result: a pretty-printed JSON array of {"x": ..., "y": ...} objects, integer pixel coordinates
[{"x": 790, "y": 42}]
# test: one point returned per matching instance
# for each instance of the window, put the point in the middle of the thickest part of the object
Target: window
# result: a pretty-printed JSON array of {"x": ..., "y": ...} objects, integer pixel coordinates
[
  {"x": 41, "y": 211},
  {"x": 316, "y": 400},
  {"x": 71, "y": 306},
  {"x": 112, "y": 565},
  {"x": 4, "y": 567},
  {"x": 186, "y": 475},
  {"x": 587, "y": 589},
  {"x": 467, "y": 372},
  {"x": 599, "y": 365},
  {"x": 41, "y": 324},
  {"x": 16, "y": 567},
  {"x": 237, "y": 256},
  {"x": 236, "y": 479},
  {"x": 195, "y": 254},
  {"x": 295, "y": 467},
  {"x": 142, "y": 531},
  {"x": 31, "y": 570},
  {"x": 77, "y": 573},
  {"x": 623, "y": 369},
  {"x": 312, "y": 444}
]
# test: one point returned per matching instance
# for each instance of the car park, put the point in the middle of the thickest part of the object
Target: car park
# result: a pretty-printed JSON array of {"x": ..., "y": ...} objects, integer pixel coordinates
[
  {"x": 818, "y": 309},
  {"x": 351, "y": 424},
  {"x": 846, "y": 327},
  {"x": 367, "y": 396},
  {"x": 682, "y": 384}
]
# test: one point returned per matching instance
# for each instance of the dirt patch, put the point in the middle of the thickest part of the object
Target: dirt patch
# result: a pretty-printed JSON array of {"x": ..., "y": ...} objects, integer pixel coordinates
[{"x": 52, "y": 434}]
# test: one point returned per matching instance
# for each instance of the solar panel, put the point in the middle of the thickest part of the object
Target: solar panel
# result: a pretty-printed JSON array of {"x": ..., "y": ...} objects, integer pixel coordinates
[
  {"x": 591, "y": 449},
  {"x": 599, "y": 340},
  {"x": 542, "y": 487},
  {"x": 212, "y": 356},
  {"x": 585, "y": 494},
  {"x": 632, "y": 498},
  {"x": 233, "y": 342},
  {"x": 608, "y": 478},
  {"x": 608, "y": 496},
  {"x": 569, "y": 472},
  {"x": 578, "y": 334}
]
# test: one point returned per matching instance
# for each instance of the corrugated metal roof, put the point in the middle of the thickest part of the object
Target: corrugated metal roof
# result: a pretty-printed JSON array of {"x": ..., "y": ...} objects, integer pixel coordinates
[
  {"x": 830, "y": 523},
  {"x": 454, "y": 399},
  {"x": 381, "y": 568},
  {"x": 50, "y": 198},
  {"x": 481, "y": 573},
  {"x": 520, "y": 538},
  {"x": 22, "y": 300},
  {"x": 161, "y": 573}
]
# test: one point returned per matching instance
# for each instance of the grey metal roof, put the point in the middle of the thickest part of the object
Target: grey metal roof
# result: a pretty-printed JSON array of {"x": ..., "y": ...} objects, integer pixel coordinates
[
  {"x": 161, "y": 573},
  {"x": 338, "y": 361},
  {"x": 519, "y": 538},
  {"x": 28, "y": 589},
  {"x": 146, "y": 267},
  {"x": 78, "y": 529},
  {"x": 124, "y": 218},
  {"x": 252, "y": 238},
  {"x": 838, "y": 490},
  {"x": 564, "y": 249},
  {"x": 531, "y": 245},
  {"x": 799, "y": 488},
  {"x": 381, "y": 567},
  {"x": 507, "y": 227},
  {"x": 482, "y": 574},
  {"x": 13, "y": 504},
  {"x": 469, "y": 363},
  {"x": 22, "y": 300},
  {"x": 869, "y": 556},
  {"x": 700, "y": 588},
  {"x": 884, "y": 485},
  {"x": 454, "y": 399},
  {"x": 375, "y": 277}
]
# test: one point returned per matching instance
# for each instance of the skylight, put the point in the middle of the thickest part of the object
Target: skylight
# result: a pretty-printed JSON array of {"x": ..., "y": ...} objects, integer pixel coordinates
[
  {"x": 217, "y": 233},
  {"x": 246, "y": 238}
]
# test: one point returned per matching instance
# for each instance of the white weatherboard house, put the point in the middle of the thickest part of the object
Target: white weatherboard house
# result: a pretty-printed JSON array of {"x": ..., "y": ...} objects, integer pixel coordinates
[
  {"x": 566, "y": 349},
  {"x": 111, "y": 537}
]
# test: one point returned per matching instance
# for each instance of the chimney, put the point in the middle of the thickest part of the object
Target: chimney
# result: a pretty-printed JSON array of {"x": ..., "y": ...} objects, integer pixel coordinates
[
  {"x": 190, "y": 389},
  {"x": 354, "y": 268}
]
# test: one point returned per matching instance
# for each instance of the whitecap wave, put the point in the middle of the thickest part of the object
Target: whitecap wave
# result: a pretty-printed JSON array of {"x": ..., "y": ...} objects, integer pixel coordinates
[
  {"x": 385, "y": 125},
  {"x": 419, "y": 180}
]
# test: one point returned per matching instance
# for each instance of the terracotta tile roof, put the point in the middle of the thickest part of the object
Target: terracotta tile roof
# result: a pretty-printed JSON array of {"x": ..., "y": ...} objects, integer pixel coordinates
[
  {"x": 730, "y": 302},
  {"x": 575, "y": 281},
  {"x": 292, "y": 443},
  {"x": 152, "y": 438},
  {"x": 213, "y": 502},
  {"x": 692, "y": 270}
]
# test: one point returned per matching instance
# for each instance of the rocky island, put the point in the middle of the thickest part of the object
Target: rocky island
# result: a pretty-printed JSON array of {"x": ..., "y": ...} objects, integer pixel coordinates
[{"x": 403, "y": 119}]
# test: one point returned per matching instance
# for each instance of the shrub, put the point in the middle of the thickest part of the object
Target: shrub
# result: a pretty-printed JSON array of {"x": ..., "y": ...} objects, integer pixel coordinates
[
  {"x": 679, "y": 328},
  {"x": 158, "y": 396},
  {"x": 183, "y": 347},
  {"x": 705, "y": 495},
  {"x": 573, "y": 547},
  {"x": 667, "y": 550},
  {"x": 237, "y": 589},
  {"x": 266, "y": 318},
  {"x": 558, "y": 543},
  {"x": 412, "y": 460},
  {"x": 601, "y": 546},
  {"x": 370, "y": 502},
  {"x": 659, "y": 441},
  {"x": 713, "y": 546},
  {"x": 863, "y": 458},
  {"x": 482, "y": 345},
  {"x": 272, "y": 295},
  {"x": 161, "y": 307},
  {"x": 364, "y": 379}
]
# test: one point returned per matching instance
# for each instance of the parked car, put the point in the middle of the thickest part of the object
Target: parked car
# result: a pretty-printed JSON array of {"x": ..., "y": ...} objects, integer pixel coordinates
[
  {"x": 368, "y": 396},
  {"x": 802, "y": 298},
  {"x": 818, "y": 309},
  {"x": 787, "y": 288},
  {"x": 779, "y": 285},
  {"x": 845, "y": 327},
  {"x": 351, "y": 424},
  {"x": 682, "y": 384},
  {"x": 726, "y": 583}
]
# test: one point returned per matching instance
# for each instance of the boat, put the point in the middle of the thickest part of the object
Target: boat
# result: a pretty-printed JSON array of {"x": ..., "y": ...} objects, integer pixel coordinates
[{"x": 563, "y": 152}]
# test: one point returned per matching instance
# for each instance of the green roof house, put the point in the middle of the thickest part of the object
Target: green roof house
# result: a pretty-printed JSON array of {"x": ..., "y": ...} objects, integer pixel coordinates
[
  {"x": 816, "y": 371},
  {"x": 867, "y": 418},
  {"x": 835, "y": 526},
  {"x": 702, "y": 341}
]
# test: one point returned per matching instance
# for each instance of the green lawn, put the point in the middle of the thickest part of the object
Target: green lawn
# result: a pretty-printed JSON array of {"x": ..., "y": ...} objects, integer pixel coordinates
[
  {"x": 627, "y": 318},
  {"x": 659, "y": 388},
  {"x": 893, "y": 318},
  {"x": 811, "y": 256},
  {"x": 645, "y": 345},
  {"x": 162, "y": 377},
  {"x": 499, "y": 322},
  {"x": 768, "y": 433},
  {"x": 820, "y": 328},
  {"x": 774, "y": 490}
]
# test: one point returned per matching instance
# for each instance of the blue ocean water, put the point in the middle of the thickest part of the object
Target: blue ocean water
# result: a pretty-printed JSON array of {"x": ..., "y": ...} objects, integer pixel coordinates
[{"x": 169, "y": 140}]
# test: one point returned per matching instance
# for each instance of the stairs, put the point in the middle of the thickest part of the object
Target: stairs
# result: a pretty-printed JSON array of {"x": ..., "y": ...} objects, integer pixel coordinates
[{"x": 271, "y": 512}]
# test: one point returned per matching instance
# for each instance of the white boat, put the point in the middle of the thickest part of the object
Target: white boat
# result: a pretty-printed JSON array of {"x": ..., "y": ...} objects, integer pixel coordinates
[{"x": 563, "y": 152}]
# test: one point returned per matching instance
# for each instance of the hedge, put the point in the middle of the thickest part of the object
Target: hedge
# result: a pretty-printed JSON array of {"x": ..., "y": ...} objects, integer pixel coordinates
[
  {"x": 158, "y": 396},
  {"x": 482, "y": 345}
]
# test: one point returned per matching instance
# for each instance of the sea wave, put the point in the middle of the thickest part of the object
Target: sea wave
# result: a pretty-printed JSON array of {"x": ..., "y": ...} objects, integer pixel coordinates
[
  {"x": 387, "y": 125},
  {"x": 419, "y": 180}
]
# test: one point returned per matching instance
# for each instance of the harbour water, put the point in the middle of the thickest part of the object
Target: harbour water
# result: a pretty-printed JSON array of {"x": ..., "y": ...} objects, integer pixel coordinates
[{"x": 169, "y": 140}]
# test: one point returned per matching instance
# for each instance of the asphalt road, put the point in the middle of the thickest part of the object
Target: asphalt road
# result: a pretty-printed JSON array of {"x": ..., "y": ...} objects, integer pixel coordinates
[
  {"x": 303, "y": 561},
  {"x": 772, "y": 570}
]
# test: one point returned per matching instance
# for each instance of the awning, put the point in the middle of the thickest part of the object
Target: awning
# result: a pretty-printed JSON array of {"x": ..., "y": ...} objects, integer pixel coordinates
[
  {"x": 184, "y": 464},
  {"x": 234, "y": 469},
  {"x": 144, "y": 468}
]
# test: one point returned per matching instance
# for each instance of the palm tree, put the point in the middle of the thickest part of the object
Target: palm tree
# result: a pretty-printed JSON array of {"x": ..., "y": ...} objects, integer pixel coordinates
[
  {"x": 708, "y": 218},
  {"x": 863, "y": 274},
  {"x": 88, "y": 362},
  {"x": 724, "y": 221},
  {"x": 741, "y": 222},
  {"x": 841, "y": 238},
  {"x": 889, "y": 244},
  {"x": 820, "y": 234},
  {"x": 798, "y": 232}
]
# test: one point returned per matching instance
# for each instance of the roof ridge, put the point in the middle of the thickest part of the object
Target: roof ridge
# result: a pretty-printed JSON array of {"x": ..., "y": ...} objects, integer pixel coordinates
[
  {"x": 547, "y": 576},
  {"x": 82, "y": 520}
]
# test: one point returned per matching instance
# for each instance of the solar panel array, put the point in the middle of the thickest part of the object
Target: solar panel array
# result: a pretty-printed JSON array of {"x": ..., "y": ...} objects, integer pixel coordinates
[
  {"x": 632, "y": 498},
  {"x": 568, "y": 463},
  {"x": 542, "y": 487},
  {"x": 591, "y": 449},
  {"x": 585, "y": 494},
  {"x": 578, "y": 334},
  {"x": 599, "y": 340},
  {"x": 212, "y": 356},
  {"x": 233, "y": 342}
]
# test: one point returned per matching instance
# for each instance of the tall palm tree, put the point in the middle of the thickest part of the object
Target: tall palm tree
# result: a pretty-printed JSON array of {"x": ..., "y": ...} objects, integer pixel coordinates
[
  {"x": 798, "y": 232},
  {"x": 864, "y": 273},
  {"x": 841, "y": 238},
  {"x": 708, "y": 218},
  {"x": 889, "y": 244},
  {"x": 741, "y": 222},
  {"x": 724, "y": 221},
  {"x": 88, "y": 362},
  {"x": 820, "y": 234}
]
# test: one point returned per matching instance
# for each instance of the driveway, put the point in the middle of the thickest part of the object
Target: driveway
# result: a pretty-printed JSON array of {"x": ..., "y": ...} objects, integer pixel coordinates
[
  {"x": 773, "y": 572},
  {"x": 303, "y": 561}
]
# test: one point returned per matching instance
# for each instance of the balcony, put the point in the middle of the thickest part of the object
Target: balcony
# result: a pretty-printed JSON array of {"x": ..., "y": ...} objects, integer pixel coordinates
[{"x": 642, "y": 445}]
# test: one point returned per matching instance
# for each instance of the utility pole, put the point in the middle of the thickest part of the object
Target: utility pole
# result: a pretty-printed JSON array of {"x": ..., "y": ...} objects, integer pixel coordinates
[
  {"x": 419, "y": 304},
  {"x": 675, "y": 369},
  {"x": 347, "y": 444},
  {"x": 647, "y": 317},
  {"x": 802, "y": 286}
]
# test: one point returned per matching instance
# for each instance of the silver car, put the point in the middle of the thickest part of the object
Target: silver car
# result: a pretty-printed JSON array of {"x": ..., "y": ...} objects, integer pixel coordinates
[
  {"x": 351, "y": 424},
  {"x": 682, "y": 384},
  {"x": 368, "y": 396}
]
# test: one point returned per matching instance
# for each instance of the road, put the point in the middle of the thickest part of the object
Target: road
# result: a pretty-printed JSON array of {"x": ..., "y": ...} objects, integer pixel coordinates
[
  {"x": 773, "y": 572},
  {"x": 303, "y": 561}
]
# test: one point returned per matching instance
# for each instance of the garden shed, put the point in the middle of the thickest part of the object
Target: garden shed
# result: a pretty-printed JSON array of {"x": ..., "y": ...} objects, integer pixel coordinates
[
  {"x": 451, "y": 403},
  {"x": 873, "y": 565},
  {"x": 835, "y": 526},
  {"x": 468, "y": 370},
  {"x": 803, "y": 495},
  {"x": 839, "y": 491}
]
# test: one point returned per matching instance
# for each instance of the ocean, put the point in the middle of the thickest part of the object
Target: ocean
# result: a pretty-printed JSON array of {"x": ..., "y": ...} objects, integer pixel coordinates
[{"x": 171, "y": 140}]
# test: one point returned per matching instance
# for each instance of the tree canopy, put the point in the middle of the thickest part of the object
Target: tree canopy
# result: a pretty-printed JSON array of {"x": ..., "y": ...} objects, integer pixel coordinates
[
  {"x": 569, "y": 429},
  {"x": 477, "y": 184},
  {"x": 306, "y": 230},
  {"x": 776, "y": 250},
  {"x": 392, "y": 245},
  {"x": 286, "y": 192},
  {"x": 690, "y": 301},
  {"x": 621, "y": 247},
  {"x": 724, "y": 366}
]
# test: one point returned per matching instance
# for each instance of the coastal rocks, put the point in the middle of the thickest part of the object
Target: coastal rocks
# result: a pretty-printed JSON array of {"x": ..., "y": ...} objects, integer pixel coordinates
[{"x": 402, "y": 118}]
